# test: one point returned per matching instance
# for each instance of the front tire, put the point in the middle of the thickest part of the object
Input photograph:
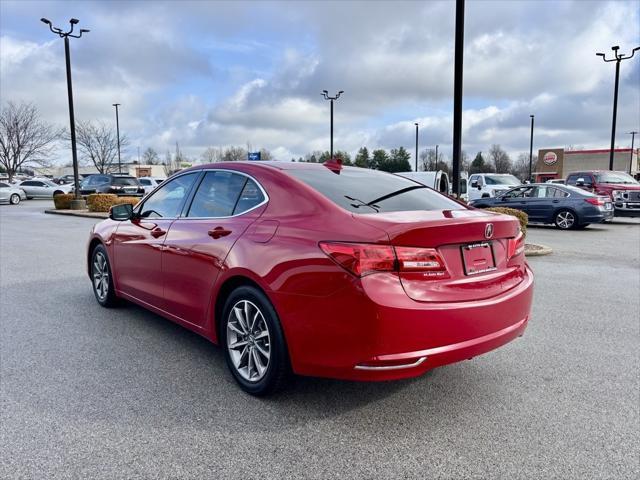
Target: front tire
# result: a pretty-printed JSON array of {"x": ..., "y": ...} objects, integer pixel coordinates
[
  {"x": 101, "y": 278},
  {"x": 14, "y": 199},
  {"x": 253, "y": 342},
  {"x": 565, "y": 220}
]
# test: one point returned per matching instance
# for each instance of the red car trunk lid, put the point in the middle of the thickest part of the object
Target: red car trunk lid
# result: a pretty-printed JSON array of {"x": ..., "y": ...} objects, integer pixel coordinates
[{"x": 472, "y": 243}]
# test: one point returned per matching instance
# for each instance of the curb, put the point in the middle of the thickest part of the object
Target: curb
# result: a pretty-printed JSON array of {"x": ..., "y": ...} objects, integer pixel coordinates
[
  {"x": 78, "y": 213},
  {"x": 536, "y": 250}
]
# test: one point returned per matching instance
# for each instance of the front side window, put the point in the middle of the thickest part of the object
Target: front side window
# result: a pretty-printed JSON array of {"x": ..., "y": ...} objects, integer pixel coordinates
[
  {"x": 144, "y": 181},
  {"x": 370, "y": 191},
  {"x": 220, "y": 194},
  {"x": 519, "y": 192},
  {"x": 166, "y": 201}
]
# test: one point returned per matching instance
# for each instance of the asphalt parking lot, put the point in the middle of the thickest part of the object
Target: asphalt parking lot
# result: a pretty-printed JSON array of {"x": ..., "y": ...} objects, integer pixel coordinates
[{"x": 95, "y": 393}]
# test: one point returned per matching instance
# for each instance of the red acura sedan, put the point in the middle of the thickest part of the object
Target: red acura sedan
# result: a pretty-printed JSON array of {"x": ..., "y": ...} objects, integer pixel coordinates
[{"x": 316, "y": 269}]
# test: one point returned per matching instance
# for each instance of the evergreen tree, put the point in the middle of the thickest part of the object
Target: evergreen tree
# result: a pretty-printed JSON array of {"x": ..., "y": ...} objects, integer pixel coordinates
[{"x": 362, "y": 158}]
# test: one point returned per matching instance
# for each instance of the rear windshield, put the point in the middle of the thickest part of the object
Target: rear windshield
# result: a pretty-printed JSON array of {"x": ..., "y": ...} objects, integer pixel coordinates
[
  {"x": 360, "y": 190},
  {"x": 124, "y": 181}
]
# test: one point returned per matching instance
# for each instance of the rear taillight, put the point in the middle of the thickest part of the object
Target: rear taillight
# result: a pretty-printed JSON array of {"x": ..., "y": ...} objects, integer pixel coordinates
[
  {"x": 515, "y": 246},
  {"x": 411, "y": 259},
  {"x": 363, "y": 258},
  {"x": 597, "y": 201}
]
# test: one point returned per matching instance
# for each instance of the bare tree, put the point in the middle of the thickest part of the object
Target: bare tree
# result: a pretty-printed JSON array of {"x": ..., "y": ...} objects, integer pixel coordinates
[
  {"x": 265, "y": 154},
  {"x": 24, "y": 138},
  {"x": 98, "y": 144},
  {"x": 150, "y": 157},
  {"x": 520, "y": 167},
  {"x": 500, "y": 159},
  {"x": 211, "y": 155},
  {"x": 234, "y": 154}
]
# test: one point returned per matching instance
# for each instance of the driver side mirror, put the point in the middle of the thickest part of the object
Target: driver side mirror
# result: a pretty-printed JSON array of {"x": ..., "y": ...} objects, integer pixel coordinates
[
  {"x": 121, "y": 213},
  {"x": 474, "y": 184},
  {"x": 580, "y": 182}
]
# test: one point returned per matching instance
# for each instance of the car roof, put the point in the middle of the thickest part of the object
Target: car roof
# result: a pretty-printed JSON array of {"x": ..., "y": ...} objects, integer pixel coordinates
[{"x": 275, "y": 164}]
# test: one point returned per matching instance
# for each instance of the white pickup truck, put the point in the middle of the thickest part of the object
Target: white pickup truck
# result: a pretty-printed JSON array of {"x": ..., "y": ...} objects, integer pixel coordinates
[{"x": 485, "y": 185}]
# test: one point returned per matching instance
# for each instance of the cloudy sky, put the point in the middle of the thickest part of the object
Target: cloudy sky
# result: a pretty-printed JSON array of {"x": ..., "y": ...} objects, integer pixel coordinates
[{"x": 213, "y": 73}]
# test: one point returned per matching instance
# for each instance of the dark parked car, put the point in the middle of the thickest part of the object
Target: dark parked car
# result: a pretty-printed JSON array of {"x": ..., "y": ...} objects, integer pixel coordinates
[
  {"x": 123, "y": 185},
  {"x": 563, "y": 205}
]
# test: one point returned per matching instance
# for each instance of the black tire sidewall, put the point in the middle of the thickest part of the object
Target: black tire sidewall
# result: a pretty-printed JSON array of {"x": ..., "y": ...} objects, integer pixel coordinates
[
  {"x": 110, "y": 299},
  {"x": 279, "y": 359}
]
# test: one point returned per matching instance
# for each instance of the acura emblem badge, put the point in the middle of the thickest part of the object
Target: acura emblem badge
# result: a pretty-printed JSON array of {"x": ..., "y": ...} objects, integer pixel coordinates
[{"x": 488, "y": 230}]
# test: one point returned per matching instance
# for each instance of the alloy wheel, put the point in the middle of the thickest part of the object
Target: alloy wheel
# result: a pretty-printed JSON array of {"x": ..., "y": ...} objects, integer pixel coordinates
[
  {"x": 248, "y": 341},
  {"x": 15, "y": 199},
  {"x": 100, "y": 272},
  {"x": 565, "y": 220}
]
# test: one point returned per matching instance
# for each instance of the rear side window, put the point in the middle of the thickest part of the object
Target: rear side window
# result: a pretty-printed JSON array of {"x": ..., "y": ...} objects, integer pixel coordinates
[
  {"x": 3, "y": 185},
  {"x": 369, "y": 191},
  {"x": 218, "y": 195},
  {"x": 144, "y": 181}
]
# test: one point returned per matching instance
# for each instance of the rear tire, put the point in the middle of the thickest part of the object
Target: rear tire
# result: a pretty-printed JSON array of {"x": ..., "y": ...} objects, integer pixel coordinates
[
  {"x": 101, "y": 278},
  {"x": 14, "y": 199},
  {"x": 565, "y": 220},
  {"x": 253, "y": 342}
]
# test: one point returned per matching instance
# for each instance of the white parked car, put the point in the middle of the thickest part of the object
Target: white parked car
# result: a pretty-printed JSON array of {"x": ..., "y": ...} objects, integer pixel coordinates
[
  {"x": 150, "y": 183},
  {"x": 41, "y": 188},
  {"x": 438, "y": 180},
  {"x": 10, "y": 194},
  {"x": 488, "y": 185}
]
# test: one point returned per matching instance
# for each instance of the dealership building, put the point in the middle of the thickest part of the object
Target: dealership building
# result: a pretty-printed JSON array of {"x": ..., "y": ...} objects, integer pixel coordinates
[{"x": 558, "y": 162}]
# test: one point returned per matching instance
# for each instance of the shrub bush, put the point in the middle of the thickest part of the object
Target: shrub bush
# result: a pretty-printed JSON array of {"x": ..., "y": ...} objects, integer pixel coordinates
[
  {"x": 63, "y": 201},
  {"x": 522, "y": 217},
  {"x": 100, "y": 202},
  {"x": 130, "y": 200}
]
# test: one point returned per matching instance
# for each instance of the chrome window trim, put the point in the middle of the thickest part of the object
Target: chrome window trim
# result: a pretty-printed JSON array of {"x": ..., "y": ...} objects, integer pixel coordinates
[{"x": 205, "y": 170}]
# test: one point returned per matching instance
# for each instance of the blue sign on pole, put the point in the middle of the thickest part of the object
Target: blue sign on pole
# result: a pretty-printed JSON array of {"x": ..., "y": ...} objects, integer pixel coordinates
[{"x": 254, "y": 156}]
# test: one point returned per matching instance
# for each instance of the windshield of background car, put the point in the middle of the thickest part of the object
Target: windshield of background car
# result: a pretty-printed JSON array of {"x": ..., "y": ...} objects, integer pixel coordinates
[
  {"x": 125, "y": 181},
  {"x": 615, "y": 177},
  {"x": 501, "y": 180},
  {"x": 354, "y": 188}
]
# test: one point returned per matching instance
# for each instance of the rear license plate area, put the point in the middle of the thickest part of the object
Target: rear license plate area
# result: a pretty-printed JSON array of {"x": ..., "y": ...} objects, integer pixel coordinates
[
  {"x": 608, "y": 206},
  {"x": 478, "y": 258}
]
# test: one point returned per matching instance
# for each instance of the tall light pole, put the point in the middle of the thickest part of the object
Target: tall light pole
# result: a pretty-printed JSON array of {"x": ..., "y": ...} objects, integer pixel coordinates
[
  {"x": 416, "y": 146},
  {"x": 617, "y": 57},
  {"x": 118, "y": 135},
  {"x": 633, "y": 137},
  {"x": 436, "y": 165},
  {"x": 77, "y": 203},
  {"x": 531, "y": 148},
  {"x": 326, "y": 96},
  {"x": 457, "y": 97}
]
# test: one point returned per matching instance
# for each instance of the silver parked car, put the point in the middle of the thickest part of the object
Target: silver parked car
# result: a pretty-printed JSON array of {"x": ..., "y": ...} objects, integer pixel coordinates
[
  {"x": 10, "y": 194},
  {"x": 40, "y": 188}
]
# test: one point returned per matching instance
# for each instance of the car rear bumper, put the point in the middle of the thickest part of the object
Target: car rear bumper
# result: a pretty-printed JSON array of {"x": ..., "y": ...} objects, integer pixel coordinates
[{"x": 376, "y": 332}]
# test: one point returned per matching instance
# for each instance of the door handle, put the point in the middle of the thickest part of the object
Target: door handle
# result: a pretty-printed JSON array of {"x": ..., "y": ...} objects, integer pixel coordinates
[
  {"x": 157, "y": 232},
  {"x": 219, "y": 232}
]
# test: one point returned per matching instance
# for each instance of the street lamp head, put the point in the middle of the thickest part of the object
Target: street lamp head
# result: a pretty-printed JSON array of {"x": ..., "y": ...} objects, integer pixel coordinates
[
  {"x": 600, "y": 54},
  {"x": 45, "y": 21},
  {"x": 340, "y": 92},
  {"x": 615, "y": 48},
  {"x": 532, "y": 116},
  {"x": 74, "y": 21},
  {"x": 416, "y": 124},
  {"x": 84, "y": 30},
  {"x": 325, "y": 91}
]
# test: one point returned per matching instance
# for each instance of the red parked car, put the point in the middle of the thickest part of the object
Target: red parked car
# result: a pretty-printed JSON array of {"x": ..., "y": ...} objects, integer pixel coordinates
[
  {"x": 318, "y": 270},
  {"x": 620, "y": 187}
]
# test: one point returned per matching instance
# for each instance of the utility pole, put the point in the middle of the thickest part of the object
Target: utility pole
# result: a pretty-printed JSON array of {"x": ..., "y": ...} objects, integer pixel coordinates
[
  {"x": 457, "y": 97},
  {"x": 531, "y": 148},
  {"x": 633, "y": 137},
  {"x": 77, "y": 203},
  {"x": 416, "y": 146},
  {"x": 616, "y": 58},
  {"x": 118, "y": 135},
  {"x": 326, "y": 96}
]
